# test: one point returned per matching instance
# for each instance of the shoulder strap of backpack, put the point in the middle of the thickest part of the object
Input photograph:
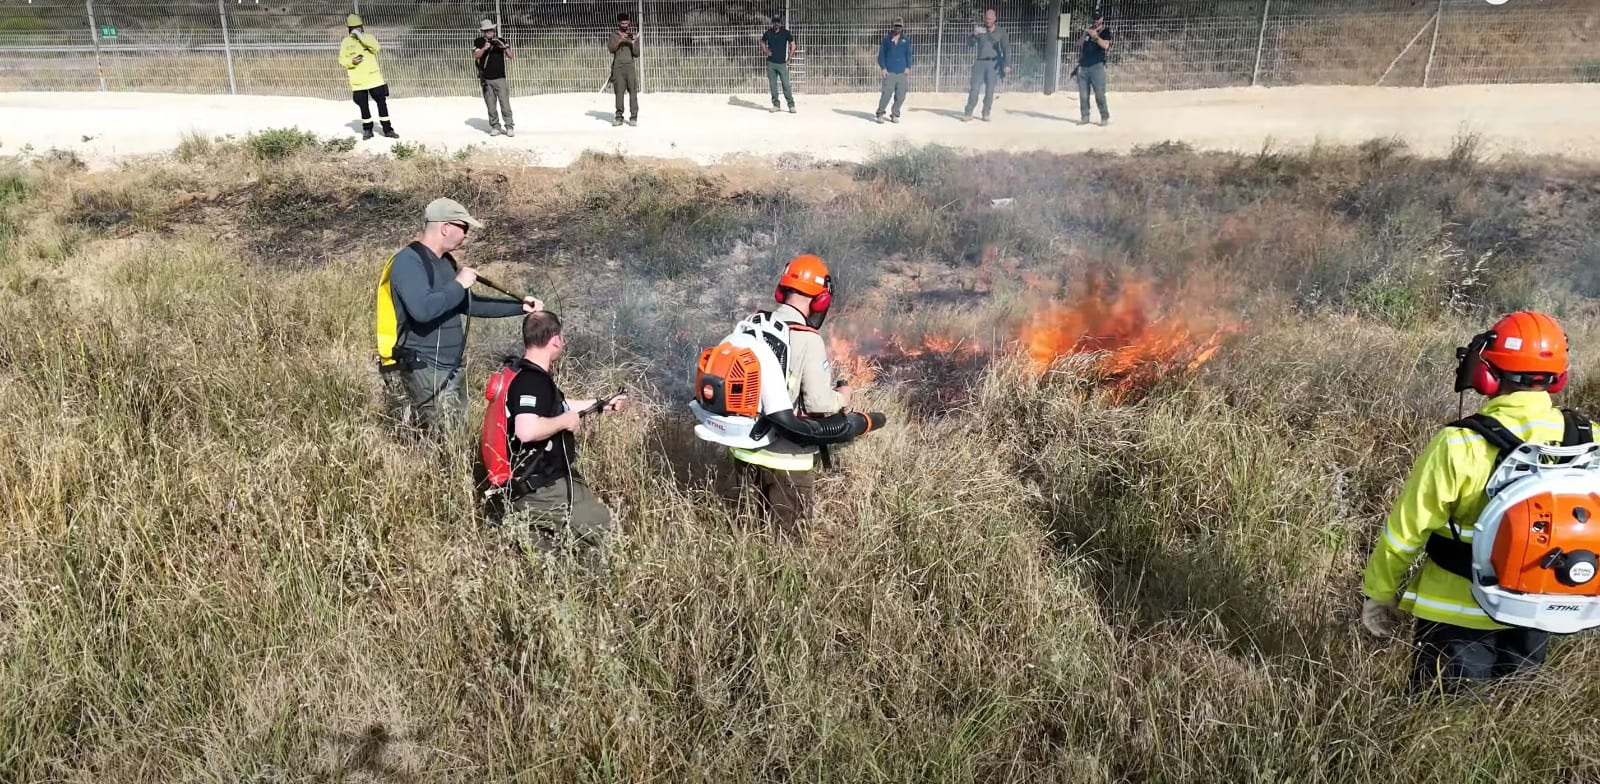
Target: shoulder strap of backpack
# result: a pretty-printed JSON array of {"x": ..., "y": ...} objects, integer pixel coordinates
[
  {"x": 422, "y": 255},
  {"x": 1579, "y": 430},
  {"x": 1496, "y": 434}
]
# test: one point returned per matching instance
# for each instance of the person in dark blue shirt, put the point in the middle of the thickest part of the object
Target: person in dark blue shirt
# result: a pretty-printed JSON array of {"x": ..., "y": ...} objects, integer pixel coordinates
[
  {"x": 1091, "y": 68},
  {"x": 894, "y": 62}
]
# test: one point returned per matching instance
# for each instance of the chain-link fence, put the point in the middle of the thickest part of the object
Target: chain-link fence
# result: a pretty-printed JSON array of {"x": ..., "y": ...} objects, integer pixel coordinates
[{"x": 289, "y": 47}]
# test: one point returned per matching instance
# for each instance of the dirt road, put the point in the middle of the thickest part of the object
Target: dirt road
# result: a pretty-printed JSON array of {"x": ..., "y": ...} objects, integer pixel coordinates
[{"x": 1531, "y": 119}]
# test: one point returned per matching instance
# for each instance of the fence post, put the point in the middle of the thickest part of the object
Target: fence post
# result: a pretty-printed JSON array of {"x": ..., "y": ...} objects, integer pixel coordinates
[
  {"x": 1261, "y": 42},
  {"x": 1438, "y": 22},
  {"x": 639, "y": 25},
  {"x": 1052, "y": 69},
  {"x": 94, "y": 33},
  {"x": 357, "y": 7},
  {"x": 227, "y": 47},
  {"x": 499, "y": 23},
  {"x": 938, "y": 52}
]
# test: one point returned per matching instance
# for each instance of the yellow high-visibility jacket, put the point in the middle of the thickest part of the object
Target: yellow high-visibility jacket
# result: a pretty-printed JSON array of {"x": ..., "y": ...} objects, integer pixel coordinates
[
  {"x": 1445, "y": 485},
  {"x": 364, "y": 75}
]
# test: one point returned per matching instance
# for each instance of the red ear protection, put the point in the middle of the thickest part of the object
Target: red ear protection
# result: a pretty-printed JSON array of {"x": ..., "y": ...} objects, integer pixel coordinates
[
  {"x": 777, "y": 295},
  {"x": 1472, "y": 372},
  {"x": 820, "y": 303},
  {"x": 1558, "y": 383}
]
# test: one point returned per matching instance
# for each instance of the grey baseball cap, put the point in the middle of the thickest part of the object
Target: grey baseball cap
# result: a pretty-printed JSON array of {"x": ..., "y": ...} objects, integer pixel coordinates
[
  {"x": 447, "y": 210},
  {"x": 899, "y": 21}
]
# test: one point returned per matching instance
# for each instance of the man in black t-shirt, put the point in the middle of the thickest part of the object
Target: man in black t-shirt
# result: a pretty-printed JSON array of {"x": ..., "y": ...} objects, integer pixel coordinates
[
  {"x": 777, "y": 43},
  {"x": 489, "y": 54},
  {"x": 1091, "y": 68},
  {"x": 546, "y": 490}
]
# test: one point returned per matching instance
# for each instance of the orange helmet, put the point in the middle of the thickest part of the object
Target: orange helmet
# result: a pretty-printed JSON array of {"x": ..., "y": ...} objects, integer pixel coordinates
[
  {"x": 806, "y": 274},
  {"x": 1528, "y": 346}
]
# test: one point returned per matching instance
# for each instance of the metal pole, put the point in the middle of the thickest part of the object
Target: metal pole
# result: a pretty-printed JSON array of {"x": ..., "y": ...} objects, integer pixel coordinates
[
  {"x": 1438, "y": 21},
  {"x": 227, "y": 47},
  {"x": 94, "y": 33},
  {"x": 1261, "y": 43},
  {"x": 357, "y": 5},
  {"x": 499, "y": 23},
  {"x": 640, "y": 25},
  {"x": 938, "y": 52},
  {"x": 1433, "y": 20},
  {"x": 1052, "y": 68}
]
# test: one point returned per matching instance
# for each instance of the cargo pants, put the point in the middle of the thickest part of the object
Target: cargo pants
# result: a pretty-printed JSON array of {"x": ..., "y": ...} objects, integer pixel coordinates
[
  {"x": 552, "y": 525},
  {"x": 497, "y": 94},
  {"x": 625, "y": 81},
  {"x": 779, "y": 72},
  {"x": 985, "y": 76},
  {"x": 1092, "y": 78}
]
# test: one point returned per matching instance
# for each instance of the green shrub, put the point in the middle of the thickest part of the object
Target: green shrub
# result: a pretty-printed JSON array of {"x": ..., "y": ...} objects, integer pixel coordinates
[{"x": 276, "y": 144}]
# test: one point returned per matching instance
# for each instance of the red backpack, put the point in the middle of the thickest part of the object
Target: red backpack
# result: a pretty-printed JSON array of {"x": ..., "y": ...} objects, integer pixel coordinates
[{"x": 494, "y": 445}]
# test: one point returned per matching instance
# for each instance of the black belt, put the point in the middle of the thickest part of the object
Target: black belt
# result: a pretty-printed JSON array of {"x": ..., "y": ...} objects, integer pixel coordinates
[{"x": 981, "y": 59}]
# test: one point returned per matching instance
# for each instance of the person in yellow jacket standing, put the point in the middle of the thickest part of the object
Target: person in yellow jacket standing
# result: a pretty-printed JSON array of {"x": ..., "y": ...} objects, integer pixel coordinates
[
  {"x": 359, "y": 56},
  {"x": 1517, "y": 364},
  {"x": 780, "y": 476}
]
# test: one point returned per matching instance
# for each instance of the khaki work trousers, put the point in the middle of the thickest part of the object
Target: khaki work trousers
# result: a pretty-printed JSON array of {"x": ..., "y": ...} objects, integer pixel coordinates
[
  {"x": 783, "y": 498},
  {"x": 625, "y": 80}
]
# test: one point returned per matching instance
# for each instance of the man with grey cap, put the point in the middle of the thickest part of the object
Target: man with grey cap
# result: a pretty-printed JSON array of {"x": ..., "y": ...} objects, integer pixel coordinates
[
  {"x": 894, "y": 62},
  {"x": 489, "y": 54},
  {"x": 423, "y": 303}
]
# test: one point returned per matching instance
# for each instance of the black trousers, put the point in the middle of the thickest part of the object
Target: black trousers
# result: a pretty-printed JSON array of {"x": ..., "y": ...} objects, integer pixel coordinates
[
  {"x": 1455, "y": 657},
  {"x": 380, "y": 94}
]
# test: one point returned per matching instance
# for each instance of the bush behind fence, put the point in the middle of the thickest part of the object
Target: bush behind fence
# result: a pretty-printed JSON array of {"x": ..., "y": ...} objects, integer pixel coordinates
[{"x": 289, "y": 48}]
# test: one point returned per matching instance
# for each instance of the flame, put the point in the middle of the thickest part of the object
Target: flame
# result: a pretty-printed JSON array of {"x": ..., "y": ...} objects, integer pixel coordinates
[
  {"x": 1132, "y": 334},
  {"x": 1136, "y": 335}
]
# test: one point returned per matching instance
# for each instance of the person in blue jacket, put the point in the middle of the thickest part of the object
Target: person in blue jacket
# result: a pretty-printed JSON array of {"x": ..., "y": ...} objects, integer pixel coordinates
[{"x": 894, "y": 61}]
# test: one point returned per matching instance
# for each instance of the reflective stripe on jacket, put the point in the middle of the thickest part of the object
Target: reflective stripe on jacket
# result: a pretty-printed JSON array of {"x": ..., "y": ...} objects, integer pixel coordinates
[
  {"x": 811, "y": 383},
  {"x": 1447, "y": 485},
  {"x": 364, "y": 75}
]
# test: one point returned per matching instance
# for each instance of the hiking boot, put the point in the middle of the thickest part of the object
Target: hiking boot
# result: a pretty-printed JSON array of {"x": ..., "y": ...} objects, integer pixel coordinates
[
  {"x": 494, "y": 131},
  {"x": 966, "y": 118},
  {"x": 633, "y": 121},
  {"x": 366, "y": 133},
  {"x": 510, "y": 132},
  {"x": 895, "y": 119},
  {"x": 986, "y": 118},
  {"x": 774, "y": 109},
  {"x": 791, "y": 109},
  {"x": 616, "y": 122},
  {"x": 1104, "y": 121},
  {"x": 877, "y": 118},
  {"x": 389, "y": 132}
]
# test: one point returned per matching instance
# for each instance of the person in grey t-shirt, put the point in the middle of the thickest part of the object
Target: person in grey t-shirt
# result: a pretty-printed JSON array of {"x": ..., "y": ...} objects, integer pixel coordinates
[{"x": 993, "y": 50}]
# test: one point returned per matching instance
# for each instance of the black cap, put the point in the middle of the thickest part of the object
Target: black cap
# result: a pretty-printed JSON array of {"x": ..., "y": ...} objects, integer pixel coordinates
[
  {"x": 777, "y": 19},
  {"x": 899, "y": 21}
]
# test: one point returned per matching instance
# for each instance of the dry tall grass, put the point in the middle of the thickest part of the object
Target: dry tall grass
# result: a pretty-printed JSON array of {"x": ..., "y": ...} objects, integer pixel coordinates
[{"x": 218, "y": 566}]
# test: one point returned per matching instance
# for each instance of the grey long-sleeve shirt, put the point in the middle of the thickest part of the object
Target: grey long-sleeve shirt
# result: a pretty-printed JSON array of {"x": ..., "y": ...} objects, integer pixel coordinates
[
  {"x": 989, "y": 45},
  {"x": 436, "y": 327}
]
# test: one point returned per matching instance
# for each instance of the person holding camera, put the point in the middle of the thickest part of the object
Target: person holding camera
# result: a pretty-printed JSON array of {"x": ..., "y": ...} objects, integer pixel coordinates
[
  {"x": 1091, "y": 70},
  {"x": 624, "y": 48},
  {"x": 993, "y": 50},
  {"x": 358, "y": 53},
  {"x": 489, "y": 53}
]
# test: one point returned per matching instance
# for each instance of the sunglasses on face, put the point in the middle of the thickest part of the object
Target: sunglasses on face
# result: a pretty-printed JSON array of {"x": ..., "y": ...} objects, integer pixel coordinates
[{"x": 462, "y": 226}]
